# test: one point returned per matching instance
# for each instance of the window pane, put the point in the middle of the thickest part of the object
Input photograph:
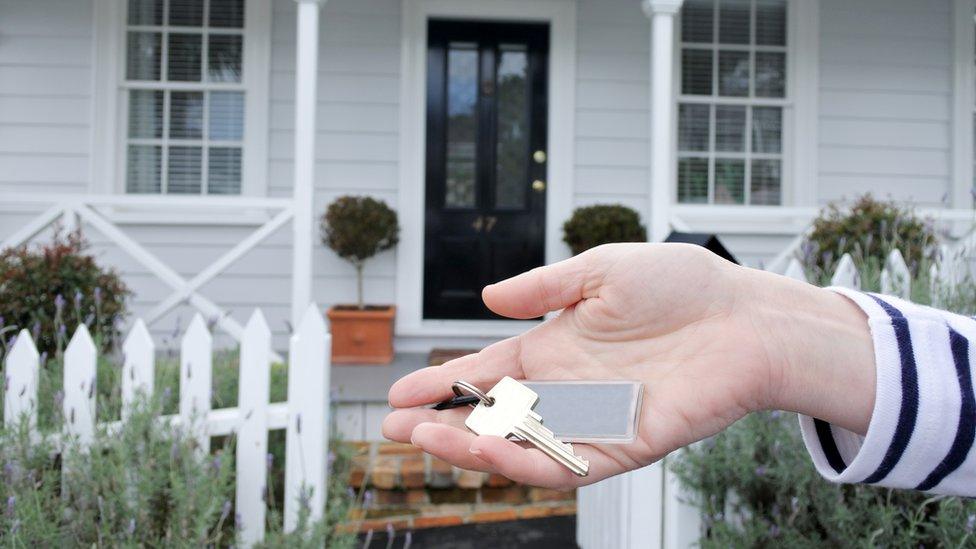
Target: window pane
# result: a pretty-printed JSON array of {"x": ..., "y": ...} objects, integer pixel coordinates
[
  {"x": 696, "y": 21},
  {"x": 730, "y": 128},
  {"x": 693, "y": 180},
  {"x": 730, "y": 181},
  {"x": 693, "y": 127},
  {"x": 145, "y": 113},
  {"x": 696, "y": 72},
  {"x": 185, "y": 51},
  {"x": 227, "y": 13},
  {"x": 770, "y": 74},
  {"x": 142, "y": 173},
  {"x": 186, "y": 115},
  {"x": 145, "y": 12},
  {"x": 771, "y": 22},
  {"x": 225, "y": 171},
  {"x": 462, "y": 125},
  {"x": 226, "y": 116},
  {"x": 512, "y": 148},
  {"x": 224, "y": 63},
  {"x": 186, "y": 13},
  {"x": 733, "y": 22},
  {"x": 766, "y": 186},
  {"x": 767, "y": 129},
  {"x": 733, "y": 73},
  {"x": 184, "y": 170},
  {"x": 142, "y": 56}
]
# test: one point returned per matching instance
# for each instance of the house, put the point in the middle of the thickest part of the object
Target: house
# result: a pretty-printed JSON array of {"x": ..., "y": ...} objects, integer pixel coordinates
[{"x": 169, "y": 130}]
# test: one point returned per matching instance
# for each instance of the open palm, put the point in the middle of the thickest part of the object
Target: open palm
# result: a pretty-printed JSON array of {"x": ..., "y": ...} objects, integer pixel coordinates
[{"x": 663, "y": 314}]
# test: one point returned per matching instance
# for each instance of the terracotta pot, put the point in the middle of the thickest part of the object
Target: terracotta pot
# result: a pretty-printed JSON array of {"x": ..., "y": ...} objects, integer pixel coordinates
[{"x": 362, "y": 336}]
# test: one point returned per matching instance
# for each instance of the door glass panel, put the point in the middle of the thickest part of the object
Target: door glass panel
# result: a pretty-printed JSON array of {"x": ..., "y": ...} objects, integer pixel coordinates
[
  {"x": 462, "y": 124},
  {"x": 511, "y": 149},
  {"x": 729, "y": 181}
]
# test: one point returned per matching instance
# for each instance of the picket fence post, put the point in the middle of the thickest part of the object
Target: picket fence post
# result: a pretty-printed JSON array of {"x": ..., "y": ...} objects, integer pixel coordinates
[
  {"x": 20, "y": 386},
  {"x": 846, "y": 275},
  {"x": 307, "y": 438},
  {"x": 80, "y": 358},
  {"x": 896, "y": 279},
  {"x": 252, "y": 432},
  {"x": 795, "y": 270},
  {"x": 138, "y": 368},
  {"x": 196, "y": 364}
]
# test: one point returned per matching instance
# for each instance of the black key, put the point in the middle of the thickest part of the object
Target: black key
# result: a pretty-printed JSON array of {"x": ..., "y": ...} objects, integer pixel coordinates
[{"x": 457, "y": 402}]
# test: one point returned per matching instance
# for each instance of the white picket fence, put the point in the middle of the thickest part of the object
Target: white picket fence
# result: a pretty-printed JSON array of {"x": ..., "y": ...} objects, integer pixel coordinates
[
  {"x": 648, "y": 508},
  {"x": 305, "y": 415}
]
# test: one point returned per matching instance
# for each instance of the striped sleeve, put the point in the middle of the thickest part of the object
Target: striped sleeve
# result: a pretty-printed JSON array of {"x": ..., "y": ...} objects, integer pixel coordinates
[{"x": 924, "y": 420}]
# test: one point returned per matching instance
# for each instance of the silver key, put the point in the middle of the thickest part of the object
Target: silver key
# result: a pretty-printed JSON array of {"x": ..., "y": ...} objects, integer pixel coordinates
[{"x": 511, "y": 415}]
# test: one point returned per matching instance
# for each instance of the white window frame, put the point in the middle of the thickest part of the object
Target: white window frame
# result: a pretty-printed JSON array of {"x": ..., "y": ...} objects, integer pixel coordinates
[
  {"x": 963, "y": 103},
  {"x": 109, "y": 133},
  {"x": 798, "y": 184}
]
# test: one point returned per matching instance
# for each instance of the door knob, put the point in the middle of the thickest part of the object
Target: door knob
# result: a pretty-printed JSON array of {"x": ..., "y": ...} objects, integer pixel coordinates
[
  {"x": 539, "y": 156},
  {"x": 491, "y": 223},
  {"x": 478, "y": 223},
  {"x": 538, "y": 185}
]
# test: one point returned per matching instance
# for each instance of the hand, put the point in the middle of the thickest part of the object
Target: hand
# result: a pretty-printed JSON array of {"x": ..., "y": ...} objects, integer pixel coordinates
[{"x": 708, "y": 339}]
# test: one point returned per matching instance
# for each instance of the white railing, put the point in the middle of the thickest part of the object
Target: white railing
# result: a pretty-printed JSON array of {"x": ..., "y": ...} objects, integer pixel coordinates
[
  {"x": 100, "y": 211},
  {"x": 648, "y": 508},
  {"x": 305, "y": 415}
]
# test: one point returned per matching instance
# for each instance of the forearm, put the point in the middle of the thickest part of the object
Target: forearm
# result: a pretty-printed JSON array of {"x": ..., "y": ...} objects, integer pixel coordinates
[{"x": 821, "y": 350}]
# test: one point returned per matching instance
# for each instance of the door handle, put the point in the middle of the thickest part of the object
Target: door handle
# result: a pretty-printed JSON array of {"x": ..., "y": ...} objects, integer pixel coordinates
[
  {"x": 491, "y": 223},
  {"x": 538, "y": 185},
  {"x": 478, "y": 223}
]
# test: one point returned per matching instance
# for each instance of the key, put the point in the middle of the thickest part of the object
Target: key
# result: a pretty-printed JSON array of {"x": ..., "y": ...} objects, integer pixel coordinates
[{"x": 511, "y": 415}]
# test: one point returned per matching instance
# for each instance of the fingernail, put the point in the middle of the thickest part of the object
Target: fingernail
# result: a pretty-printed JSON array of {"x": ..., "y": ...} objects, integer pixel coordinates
[{"x": 414, "y": 442}]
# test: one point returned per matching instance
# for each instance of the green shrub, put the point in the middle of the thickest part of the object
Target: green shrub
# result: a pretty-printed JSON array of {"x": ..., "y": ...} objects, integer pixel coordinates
[
  {"x": 591, "y": 226},
  {"x": 52, "y": 289},
  {"x": 868, "y": 230},
  {"x": 357, "y": 228}
]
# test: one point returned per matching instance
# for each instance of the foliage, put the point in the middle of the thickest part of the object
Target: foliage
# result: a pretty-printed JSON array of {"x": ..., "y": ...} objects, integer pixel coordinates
[
  {"x": 179, "y": 500},
  {"x": 50, "y": 290},
  {"x": 591, "y": 226},
  {"x": 756, "y": 486},
  {"x": 357, "y": 228},
  {"x": 868, "y": 230}
]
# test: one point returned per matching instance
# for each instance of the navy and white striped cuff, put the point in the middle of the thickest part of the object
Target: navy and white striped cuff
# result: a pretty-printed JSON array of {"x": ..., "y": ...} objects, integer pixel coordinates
[{"x": 924, "y": 419}]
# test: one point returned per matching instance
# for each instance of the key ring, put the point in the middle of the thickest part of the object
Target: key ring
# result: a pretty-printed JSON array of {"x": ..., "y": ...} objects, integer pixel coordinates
[{"x": 458, "y": 385}]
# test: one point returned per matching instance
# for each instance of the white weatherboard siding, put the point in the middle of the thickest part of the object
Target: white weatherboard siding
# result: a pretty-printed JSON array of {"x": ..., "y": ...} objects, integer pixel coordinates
[
  {"x": 885, "y": 92},
  {"x": 885, "y": 99},
  {"x": 612, "y": 101}
]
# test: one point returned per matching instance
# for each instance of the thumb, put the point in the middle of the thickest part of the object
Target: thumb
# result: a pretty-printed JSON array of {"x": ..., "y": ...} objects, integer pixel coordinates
[{"x": 548, "y": 288}]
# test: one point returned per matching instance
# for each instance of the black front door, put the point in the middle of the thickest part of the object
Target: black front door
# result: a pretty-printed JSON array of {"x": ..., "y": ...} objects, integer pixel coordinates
[{"x": 486, "y": 160}]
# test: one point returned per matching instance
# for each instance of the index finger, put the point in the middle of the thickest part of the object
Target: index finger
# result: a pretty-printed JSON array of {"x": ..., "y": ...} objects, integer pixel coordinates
[{"x": 483, "y": 369}]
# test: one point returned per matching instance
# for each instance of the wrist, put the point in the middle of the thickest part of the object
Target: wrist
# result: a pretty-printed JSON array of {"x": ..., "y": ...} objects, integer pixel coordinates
[{"x": 820, "y": 351}]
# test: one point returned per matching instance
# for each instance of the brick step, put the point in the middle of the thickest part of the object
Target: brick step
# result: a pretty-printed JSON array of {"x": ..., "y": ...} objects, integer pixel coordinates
[{"x": 401, "y": 486}]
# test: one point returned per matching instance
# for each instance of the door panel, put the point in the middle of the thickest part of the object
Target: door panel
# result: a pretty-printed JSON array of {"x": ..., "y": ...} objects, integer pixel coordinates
[{"x": 485, "y": 175}]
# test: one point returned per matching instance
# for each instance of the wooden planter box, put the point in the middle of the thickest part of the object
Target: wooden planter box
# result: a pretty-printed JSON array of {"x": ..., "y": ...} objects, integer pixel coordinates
[{"x": 362, "y": 336}]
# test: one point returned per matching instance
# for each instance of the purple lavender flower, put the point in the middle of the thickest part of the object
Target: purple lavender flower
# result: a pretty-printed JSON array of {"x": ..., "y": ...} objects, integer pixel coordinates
[
  {"x": 43, "y": 358},
  {"x": 98, "y": 296},
  {"x": 174, "y": 451},
  {"x": 367, "y": 498},
  {"x": 89, "y": 319},
  {"x": 407, "y": 540},
  {"x": 58, "y": 398},
  {"x": 775, "y": 414},
  {"x": 36, "y": 330},
  {"x": 11, "y": 506},
  {"x": 970, "y": 523},
  {"x": 131, "y": 529},
  {"x": 78, "y": 297},
  {"x": 390, "y": 535},
  {"x": 225, "y": 510},
  {"x": 269, "y": 460},
  {"x": 331, "y": 458},
  {"x": 58, "y": 303},
  {"x": 1, "y": 322},
  {"x": 215, "y": 464},
  {"x": 369, "y": 539},
  {"x": 62, "y": 330},
  {"x": 773, "y": 531},
  {"x": 761, "y": 471}
]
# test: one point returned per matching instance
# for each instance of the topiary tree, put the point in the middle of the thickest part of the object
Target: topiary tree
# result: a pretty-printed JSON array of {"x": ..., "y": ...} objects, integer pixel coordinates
[
  {"x": 868, "y": 230},
  {"x": 591, "y": 226},
  {"x": 357, "y": 228},
  {"x": 52, "y": 289}
]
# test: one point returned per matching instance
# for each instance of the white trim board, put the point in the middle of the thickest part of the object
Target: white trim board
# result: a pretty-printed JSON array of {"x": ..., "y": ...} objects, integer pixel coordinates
[
  {"x": 561, "y": 16},
  {"x": 961, "y": 125}
]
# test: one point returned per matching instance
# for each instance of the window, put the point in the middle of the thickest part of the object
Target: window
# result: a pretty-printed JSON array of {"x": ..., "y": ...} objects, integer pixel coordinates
[
  {"x": 184, "y": 96},
  {"x": 732, "y": 94}
]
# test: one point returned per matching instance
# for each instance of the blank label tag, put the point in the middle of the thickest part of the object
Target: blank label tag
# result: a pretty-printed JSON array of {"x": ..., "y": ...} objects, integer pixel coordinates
[{"x": 599, "y": 412}]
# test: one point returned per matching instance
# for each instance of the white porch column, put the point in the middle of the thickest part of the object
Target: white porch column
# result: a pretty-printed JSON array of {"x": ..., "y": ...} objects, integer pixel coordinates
[
  {"x": 306, "y": 77},
  {"x": 662, "y": 15}
]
